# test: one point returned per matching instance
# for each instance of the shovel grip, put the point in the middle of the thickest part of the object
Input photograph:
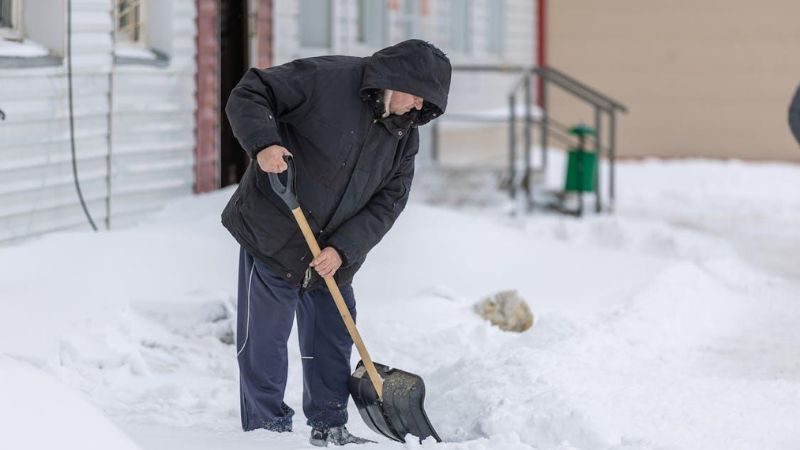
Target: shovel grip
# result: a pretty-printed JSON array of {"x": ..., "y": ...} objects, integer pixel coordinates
[{"x": 286, "y": 191}]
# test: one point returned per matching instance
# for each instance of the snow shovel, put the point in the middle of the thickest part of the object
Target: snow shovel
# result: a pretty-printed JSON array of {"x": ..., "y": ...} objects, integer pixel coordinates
[{"x": 389, "y": 400}]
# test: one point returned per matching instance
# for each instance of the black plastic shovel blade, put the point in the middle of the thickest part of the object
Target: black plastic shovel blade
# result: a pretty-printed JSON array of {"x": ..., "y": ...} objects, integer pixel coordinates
[{"x": 402, "y": 410}]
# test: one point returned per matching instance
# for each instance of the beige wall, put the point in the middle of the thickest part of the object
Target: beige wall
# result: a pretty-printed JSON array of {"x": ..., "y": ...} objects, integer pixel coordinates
[{"x": 703, "y": 78}]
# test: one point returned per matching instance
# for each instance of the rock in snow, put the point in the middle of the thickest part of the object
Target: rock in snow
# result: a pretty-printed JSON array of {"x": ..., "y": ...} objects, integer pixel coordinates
[{"x": 507, "y": 310}]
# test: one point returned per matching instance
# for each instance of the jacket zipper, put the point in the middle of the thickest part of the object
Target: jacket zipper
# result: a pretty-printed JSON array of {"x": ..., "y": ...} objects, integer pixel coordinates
[
  {"x": 366, "y": 137},
  {"x": 307, "y": 277}
]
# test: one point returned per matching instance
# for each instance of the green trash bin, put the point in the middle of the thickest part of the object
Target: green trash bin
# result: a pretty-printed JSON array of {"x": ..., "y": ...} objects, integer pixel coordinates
[
  {"x": 581, "y": 174},
  {"x": 580, "y": 171}
]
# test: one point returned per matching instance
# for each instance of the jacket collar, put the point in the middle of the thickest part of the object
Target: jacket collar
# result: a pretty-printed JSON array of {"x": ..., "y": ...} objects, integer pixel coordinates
[{"x": 397, "y": 126}]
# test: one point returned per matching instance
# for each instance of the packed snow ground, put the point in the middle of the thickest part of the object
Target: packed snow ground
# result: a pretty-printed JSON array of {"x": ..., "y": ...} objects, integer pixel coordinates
[{"x": 671, "y": 324}]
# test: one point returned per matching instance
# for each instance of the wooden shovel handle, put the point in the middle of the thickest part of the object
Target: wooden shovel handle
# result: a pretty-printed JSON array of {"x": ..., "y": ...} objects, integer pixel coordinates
[{"x": 341, "y": 305}]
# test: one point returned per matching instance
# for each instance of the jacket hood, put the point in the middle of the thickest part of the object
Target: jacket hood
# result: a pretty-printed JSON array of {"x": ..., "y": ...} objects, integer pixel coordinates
[{"x": 415, "y": 67}]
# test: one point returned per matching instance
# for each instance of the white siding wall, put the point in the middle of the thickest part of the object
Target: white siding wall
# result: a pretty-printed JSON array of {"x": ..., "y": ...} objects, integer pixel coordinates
[
  {"x": 153, "y": 128},
  {"x": 152, "y": 151}
]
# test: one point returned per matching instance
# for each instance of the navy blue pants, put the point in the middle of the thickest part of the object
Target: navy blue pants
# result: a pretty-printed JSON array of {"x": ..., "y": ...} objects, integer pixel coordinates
[{"x": 267, "y": 305}]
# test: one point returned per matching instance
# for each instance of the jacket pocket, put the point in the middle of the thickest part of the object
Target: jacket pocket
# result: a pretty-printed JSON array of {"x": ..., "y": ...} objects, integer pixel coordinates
[{"x": 267, "y": 222}]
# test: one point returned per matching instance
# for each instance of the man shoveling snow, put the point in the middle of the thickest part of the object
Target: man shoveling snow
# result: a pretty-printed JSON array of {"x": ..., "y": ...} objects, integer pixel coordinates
[{"x": 350, "y": 125}]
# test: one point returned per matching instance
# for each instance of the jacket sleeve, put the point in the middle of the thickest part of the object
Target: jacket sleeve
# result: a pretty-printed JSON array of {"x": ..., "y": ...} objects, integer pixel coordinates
[
  {"x": 794, "y": 115},
  {"x": 262, "y": 97},
  {"x": 359, "y": 234}
]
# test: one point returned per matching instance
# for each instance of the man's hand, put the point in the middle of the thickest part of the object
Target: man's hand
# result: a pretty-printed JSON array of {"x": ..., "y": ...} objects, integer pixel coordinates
[
  {"x": 271, "y": 159},
  {"x": 327, "y": 262}
]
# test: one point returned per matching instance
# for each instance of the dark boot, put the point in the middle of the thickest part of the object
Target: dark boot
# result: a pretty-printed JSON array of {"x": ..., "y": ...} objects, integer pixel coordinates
[{"x": 320, "y": 437}]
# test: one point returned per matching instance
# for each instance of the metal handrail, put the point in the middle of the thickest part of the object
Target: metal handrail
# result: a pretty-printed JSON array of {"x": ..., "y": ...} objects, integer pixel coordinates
[
  {"x": 601, "y": 103},
  {"x": 561, "y": 78},
  {"x": 551, "y": 74}
]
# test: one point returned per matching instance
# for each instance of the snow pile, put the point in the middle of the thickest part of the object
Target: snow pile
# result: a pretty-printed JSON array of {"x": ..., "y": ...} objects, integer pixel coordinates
[{"x": 40, "y": 412}]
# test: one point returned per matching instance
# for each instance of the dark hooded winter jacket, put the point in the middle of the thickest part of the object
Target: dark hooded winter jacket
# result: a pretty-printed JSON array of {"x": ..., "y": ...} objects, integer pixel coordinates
[
  {"x": 794, "y": 115},
  {"x": 353, "y": 168}
]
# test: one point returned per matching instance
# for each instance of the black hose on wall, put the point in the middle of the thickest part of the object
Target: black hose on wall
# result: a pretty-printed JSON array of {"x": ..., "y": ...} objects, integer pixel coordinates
[{"x": 72, "y": 117}]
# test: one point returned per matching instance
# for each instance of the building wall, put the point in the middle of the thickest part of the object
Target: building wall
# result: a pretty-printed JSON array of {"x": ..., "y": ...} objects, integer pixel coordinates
[
  {"x": 709, "y": 78},
  {"x": 134, "y": 123}
]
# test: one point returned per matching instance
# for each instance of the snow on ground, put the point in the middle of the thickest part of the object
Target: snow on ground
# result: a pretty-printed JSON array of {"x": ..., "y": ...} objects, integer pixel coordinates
[
  {"x": 668, "y": 325},
  {"x": 131, "y": 51},
  {"x": 24, "y": 49},
  {"x": 40, "y": 412}
]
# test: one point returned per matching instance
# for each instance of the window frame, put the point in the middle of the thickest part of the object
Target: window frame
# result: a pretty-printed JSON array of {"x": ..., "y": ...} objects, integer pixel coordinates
[
  {"x": 123, "y": 38},
  {"x": 409, "y": 15},
  {"x": 381, "y": 14},
  {"x": 328, "y": 24},
  {"x": 15, "y": 31},
  {"x": 143, "y": 51},
  {"x": 496, "y": 28},
  {"x": 467, "y": 46}
]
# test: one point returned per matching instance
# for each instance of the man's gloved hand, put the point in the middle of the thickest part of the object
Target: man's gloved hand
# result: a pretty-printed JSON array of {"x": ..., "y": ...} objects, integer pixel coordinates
[
  {"x": 327, "y": 262},
  {"x": 271, "y": 160}
]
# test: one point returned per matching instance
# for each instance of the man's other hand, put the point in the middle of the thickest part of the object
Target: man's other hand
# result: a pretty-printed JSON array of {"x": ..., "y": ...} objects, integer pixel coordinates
[
  {"x": 327, "y": 262},
  {"x": 271, "y": 159}
]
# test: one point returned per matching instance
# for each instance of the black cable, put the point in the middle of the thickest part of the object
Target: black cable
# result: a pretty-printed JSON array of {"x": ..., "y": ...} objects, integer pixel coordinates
[{"x": 72, "y": 116}]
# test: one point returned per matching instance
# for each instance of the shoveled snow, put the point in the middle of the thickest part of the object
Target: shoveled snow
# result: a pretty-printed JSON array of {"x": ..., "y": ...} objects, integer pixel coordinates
[{"x": 670, "y": 324}]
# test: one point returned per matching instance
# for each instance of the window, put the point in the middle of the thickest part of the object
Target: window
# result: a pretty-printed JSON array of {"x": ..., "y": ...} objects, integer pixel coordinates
[
  {"x": 143, "y": 32},
  {"x": 496, "y": 16},
  {"x": 32, "y": 33},
  {"x": 409, "y": 18},
  {"x": 460, "y": 32},
  {"x": 129, "y": 21},
  {"x": 371, "y": 22},
  {"x": 11, "y": 19},
  {"x": 315, "y": 23},
  {"x": 6, "y": 10}
]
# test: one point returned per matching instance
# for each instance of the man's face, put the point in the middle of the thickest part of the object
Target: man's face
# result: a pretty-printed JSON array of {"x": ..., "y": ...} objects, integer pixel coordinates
[{"x": 402, "y": 103}]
